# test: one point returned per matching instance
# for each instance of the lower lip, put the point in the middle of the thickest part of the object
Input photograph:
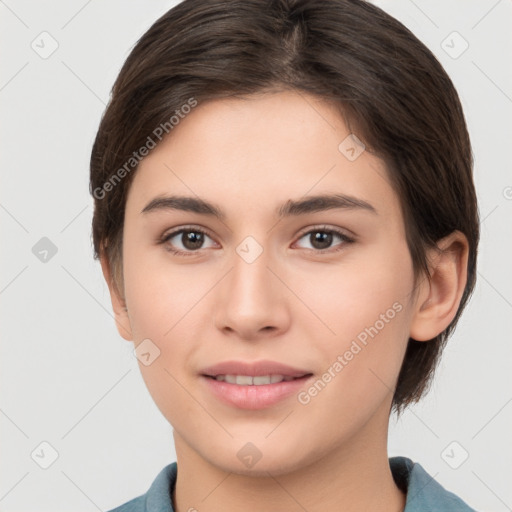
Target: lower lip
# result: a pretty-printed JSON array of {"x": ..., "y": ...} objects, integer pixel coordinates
[{"x": 254, "y": 397}]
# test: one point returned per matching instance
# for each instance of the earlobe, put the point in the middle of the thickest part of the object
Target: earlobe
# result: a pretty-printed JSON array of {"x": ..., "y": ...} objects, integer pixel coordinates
[
  {"x": 439, "y": 298},
  {"x": 118, "y": 303}
]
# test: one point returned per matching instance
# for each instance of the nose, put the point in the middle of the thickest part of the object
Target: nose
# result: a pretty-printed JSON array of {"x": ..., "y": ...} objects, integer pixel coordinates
[{"x": 251, "y": 302}]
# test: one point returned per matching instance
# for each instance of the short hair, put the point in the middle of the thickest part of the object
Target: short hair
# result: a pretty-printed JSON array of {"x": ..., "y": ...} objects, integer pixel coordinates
[{"x": 388, "y": 86}]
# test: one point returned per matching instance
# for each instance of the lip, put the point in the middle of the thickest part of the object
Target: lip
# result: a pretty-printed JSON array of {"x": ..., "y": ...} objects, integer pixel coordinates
[
  {"x": 254, "y": 397},
  {"x": 253, "y": 369}
]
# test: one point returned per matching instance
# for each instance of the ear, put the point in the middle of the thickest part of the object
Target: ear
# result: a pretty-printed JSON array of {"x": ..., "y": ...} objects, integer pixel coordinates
[
  {"x": 438, "y": 300},
  {"x": 118, "y": 302}
]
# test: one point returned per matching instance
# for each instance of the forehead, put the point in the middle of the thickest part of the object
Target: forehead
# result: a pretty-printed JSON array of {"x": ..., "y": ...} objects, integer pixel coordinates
[{"x": 264, "y": 149}]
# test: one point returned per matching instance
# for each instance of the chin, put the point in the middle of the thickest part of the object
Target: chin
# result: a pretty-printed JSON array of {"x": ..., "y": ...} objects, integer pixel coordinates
[{"x": 277, "y": 464}]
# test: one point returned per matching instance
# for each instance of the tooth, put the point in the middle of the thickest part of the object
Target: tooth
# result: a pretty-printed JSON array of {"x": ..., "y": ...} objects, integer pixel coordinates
[
  {"x": 263, "y": 379},
  {"x": 247, "y": 380},
  {"x": 244, "y": 380}
]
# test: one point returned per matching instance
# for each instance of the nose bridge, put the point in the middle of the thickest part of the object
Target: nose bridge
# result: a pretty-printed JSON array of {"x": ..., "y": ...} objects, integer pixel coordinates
[
  {"x": 252, "y": 299},
  {"x": 249, "y": 282}
]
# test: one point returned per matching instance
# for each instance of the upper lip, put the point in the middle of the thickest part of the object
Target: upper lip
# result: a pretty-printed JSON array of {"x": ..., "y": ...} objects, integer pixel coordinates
[{"x": 253, "y": 369}]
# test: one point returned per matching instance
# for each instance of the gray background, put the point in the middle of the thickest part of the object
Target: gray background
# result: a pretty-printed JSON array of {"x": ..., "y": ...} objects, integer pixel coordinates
[{"x": 69, "y": 380}]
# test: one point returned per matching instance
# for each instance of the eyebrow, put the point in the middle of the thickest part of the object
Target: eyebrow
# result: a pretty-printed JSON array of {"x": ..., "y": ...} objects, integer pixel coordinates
[{"x": 310, "y": 204}]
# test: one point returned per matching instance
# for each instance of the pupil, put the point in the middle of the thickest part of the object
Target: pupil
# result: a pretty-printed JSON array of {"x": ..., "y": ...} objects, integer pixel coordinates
[
  {"x": 192, "y": 240},
  {"x": 321, "y": 240}
]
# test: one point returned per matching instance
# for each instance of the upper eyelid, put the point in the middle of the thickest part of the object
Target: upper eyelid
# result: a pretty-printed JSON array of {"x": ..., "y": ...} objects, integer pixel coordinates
[
  {"x": 173, "y": 232},
  {"x": 324, "y": 227}
]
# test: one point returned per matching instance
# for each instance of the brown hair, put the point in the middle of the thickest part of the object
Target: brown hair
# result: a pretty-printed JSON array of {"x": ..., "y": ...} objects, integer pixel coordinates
[{"x": 389, "y": 87}]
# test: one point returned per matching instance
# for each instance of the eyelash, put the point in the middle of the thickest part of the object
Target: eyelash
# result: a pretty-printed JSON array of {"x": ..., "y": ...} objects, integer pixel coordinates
[{"x": 319, "y": 229}]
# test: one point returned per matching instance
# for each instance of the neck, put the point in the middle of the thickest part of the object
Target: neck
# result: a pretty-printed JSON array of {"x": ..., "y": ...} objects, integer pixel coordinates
[{"x": 354, "y": 477}]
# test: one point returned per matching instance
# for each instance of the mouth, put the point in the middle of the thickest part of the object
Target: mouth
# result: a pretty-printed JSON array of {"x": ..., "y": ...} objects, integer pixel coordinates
[{"x": 253, "y": 386}]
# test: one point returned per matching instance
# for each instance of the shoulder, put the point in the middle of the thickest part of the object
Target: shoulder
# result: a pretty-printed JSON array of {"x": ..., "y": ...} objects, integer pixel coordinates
[
  {"x": 136, "y": 505},
  {"x": 424, "y": 493},
  {"x": 158, "y": 497}
]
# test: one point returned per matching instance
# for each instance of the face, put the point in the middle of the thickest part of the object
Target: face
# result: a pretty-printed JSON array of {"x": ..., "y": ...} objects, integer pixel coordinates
[{"x": 316, "y": 289}]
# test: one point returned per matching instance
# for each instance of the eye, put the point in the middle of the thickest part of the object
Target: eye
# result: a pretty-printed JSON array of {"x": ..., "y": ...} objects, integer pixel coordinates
[
  {"x": 187, "y": 240},
  {"x": 190, "y": 240},
  {"x": 322, "y": 238}
]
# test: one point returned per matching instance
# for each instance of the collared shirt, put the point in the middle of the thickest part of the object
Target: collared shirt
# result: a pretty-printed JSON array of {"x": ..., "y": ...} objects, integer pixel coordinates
[{"x": 423, "y": 493}]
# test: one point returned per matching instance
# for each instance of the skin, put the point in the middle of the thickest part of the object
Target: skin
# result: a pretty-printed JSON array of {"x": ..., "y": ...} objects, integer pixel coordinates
[{"x": 294, "y": 304}]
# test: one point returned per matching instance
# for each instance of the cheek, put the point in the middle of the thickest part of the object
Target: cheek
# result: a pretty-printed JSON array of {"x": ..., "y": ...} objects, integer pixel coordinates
[
  {"x": 159, "y": 295},
  {"x": 352, "y": 295},
  {"x": 169, "y": 305},
  {"x": 367, "y": 306},
  {"x": 365, "y": 312}
]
